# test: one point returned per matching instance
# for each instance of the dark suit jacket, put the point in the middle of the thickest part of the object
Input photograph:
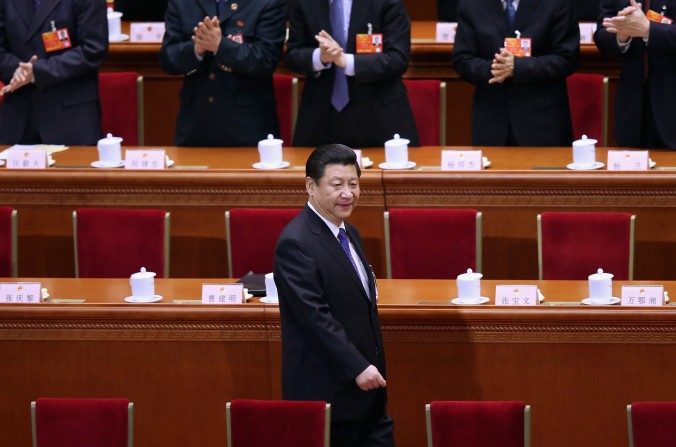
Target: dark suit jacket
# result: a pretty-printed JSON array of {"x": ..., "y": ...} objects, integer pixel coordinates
[
  {"x": 535, "y": 100},
  {"x": 587, "y": 10},
  {"x": 330, "y": 328},
  {"x": 143, "y": 11},
  {"x": 227, "y": 99},
  {"x": 65, "y": 97},
  {"x": 661, "y": 51},
  {"x": 377, "y": 92},
  {"x": 447, "y": 10}
]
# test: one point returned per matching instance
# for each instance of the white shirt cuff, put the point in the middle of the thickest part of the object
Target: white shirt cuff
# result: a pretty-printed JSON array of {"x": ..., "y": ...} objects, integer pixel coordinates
[
  {"x": 349, "y": 64},
  {"x": 317, "y": 64},
  {"x": 624, "y": 46}
]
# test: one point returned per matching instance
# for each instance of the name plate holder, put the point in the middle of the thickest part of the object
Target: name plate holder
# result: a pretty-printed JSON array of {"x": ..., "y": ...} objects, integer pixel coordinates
[
  {"x": 643, "y": 296},
  {"x": 20, "y": 292},
  {"x": 223, "y": 293},
  {"x": 445, "y": 32},
  {"x": 628, "y": 160},
  {"x": 146, "y": 32},
  {"x": 145, "y": 159},
  {"x": 452, "y": 160},
  {"x": 516, "y": 295},
  {"x": 26, "y": 159}
]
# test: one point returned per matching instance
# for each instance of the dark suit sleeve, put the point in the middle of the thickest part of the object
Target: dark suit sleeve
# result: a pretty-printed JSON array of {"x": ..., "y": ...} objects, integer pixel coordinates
[
  {"x": 393, "y": 61},
  {"x": 563, "y": 58},
  {"x": 91, "y": 31},
  {"x": 8, "y": 61},
  {"x": 298, "y": 49},
  {"x": 467, "y": 59},
  {"x": 662, "y": 38},
  {"x": 177, "y": 55},
  {"x": 304, "y": 297}
]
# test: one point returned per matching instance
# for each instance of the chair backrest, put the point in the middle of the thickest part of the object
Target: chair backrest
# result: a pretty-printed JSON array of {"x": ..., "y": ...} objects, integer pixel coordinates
[
  {"x": 121, "y": 95},
  {"x": 428, "y": 102},
  {"x": 251, "y": 235},
  {"x": 286, "y": 97},
  {"x": 478, "y": 424},
  {"x": 84, "y": 422},
  {"x": 286, "y": 423},
  {"x": 8, "y": 242},
  {"x": 588, "y": 98},
  {"x": 651, "y": 424},
  {"x": 116, "y": 242},
  {"x": 573, "y": 245},
  {"x": 432, "y": 242}
]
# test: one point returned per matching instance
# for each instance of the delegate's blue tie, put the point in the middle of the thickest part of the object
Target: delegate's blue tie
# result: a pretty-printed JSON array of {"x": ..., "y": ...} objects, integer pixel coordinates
[
  {"x": 340, "y": 95},
  {"x": 510, "y": 11},
  {"x": 345, "y": 243}
]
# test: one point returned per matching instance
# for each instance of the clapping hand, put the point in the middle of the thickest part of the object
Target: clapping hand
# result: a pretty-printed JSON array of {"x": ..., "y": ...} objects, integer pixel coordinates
[
  {"x": 23, "y": 75},
  {"x": 329, "y": 50},
  {"x": 502, "y": 66},
  {"x": 207, "y": 35},
  {"x": 630, "y": 22}
]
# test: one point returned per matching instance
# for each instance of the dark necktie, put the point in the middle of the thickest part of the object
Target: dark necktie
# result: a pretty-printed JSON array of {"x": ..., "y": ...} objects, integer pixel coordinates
[
  {"x": 345, "y": 244},
  {"x": 340, "y": 95},
  {"x": 510, "y": 12}
]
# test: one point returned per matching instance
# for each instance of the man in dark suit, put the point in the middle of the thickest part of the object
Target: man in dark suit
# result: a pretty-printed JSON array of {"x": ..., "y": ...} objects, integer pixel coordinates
[
  {"x": 227, "y": 50},
  {"x": 332, "y": 348},
  {"x": 50, "y": 52},
  {"x": 518, "y": 101},
  {"x": 644, "y": 105},
  {"x": 351, "y": 95},
  {"x": 447, "y": 10}
]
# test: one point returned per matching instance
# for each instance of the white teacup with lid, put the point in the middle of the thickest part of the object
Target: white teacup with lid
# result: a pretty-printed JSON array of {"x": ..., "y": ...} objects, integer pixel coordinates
[
  {"x": 396, "y": 152},
  {"x": 584, "y": 152},
  {"x": 270, "y": 151},
  {"x": 601, "y": 287},
  {"x": 142, "y": 285},
  {"x": 469, "y": 286},
  {"x": 110, "y": 150},
  {"x": 114, "y": 24}
]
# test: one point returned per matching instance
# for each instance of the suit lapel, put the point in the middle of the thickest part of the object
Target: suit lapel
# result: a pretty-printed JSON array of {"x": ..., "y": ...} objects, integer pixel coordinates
[
  {"x": 25, "y": 10},
  {"x": 209, "y": 7},
  {"x": 367, "y": 267},
  {"x": 322, "y": 17},
  {"x": 229, "y": 11},
  {"x": 523, "y": 13},
  {"x": 46, "y": 8},
  {"x": 360, "y": 9},
  {"x": 497, "y": 13}
]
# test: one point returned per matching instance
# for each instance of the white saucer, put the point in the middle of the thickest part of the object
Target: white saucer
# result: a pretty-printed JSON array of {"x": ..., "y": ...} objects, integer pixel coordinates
[
  {"x": 118, "y": 38},
  {"x": 575, "y": 167},
  {"x": 409, "y": 165},
  {"x": 267, "y": 300},
  {"x": 366, "y": 164},
  {"x": 481, "y": 300},
  {"x": 259, "y": 165},
  {"x": 590, "y": 302},
  {"x": 485, "y": 161},
  {"x": 102, "y": 164},
  {"x": 133, "y": 299}
]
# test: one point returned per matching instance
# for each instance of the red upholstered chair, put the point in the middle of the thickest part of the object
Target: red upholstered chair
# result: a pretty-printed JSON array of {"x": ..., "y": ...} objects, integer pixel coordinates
[
  {"x": 428, "y": 101},
  {"x": 121, "y": 97},
  {"x": 251, "y": 235},
  {"x": 432, "y": 242},
  {"x": 62, "y": 422},
  {"x": 8, "y": 242},
  {"x": 588, "y": 98},
  {"x": 573, "y": 245},
  {"x": 114, "y": 243},
  {"x": 286, "y": 96},
  {"x": 651, "y": 424},
  {"x": 478, "y": 424},
  {"x": 262, "y": 423}
]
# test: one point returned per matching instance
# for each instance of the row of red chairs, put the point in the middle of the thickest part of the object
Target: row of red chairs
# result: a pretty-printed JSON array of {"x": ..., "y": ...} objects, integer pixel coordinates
[
  {"x": 419, "y": 243},
  {"x": 60, "y": 422}
]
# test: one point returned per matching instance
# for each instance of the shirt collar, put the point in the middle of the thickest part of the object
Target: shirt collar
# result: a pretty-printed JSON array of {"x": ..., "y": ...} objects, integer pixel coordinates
[{"x": 334, "y": 229}]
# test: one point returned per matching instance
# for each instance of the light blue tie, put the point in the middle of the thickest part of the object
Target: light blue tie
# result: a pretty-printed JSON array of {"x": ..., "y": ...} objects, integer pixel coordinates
[
  {"x": 510, "y": 11},
  {"x": 340, "y": 95},
  {"x": 345, "y": 243}
]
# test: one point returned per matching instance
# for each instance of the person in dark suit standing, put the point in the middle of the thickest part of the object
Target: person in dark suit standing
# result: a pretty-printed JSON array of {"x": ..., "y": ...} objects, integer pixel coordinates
[
  {"x": 447, "y": 10},
  {"x": 50, "y": 52},
  {"x": 353, "y": 91},
  {"x": 332, "y": 348},
  {"x": 227, "y": 51},
  {"x": 644, "y": 105},
  {"x": 518, "y": 101}
]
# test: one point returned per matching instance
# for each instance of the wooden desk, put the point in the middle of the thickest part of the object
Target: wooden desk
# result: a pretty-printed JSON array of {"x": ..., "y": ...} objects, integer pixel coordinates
[
  {"x": 576, "y": 366},
  {"x": 510, "y": 194}
]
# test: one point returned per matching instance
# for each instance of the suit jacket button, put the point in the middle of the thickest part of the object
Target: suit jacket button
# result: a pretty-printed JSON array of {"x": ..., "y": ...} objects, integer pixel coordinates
[
  {"x": 212, "y": 76},
  {"x": 211, "y": 99},
  {"x": 377, "y": 351}
]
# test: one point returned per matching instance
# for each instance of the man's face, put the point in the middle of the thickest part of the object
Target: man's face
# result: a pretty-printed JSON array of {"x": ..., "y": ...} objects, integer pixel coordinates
[{"x": 336, "y": 194}]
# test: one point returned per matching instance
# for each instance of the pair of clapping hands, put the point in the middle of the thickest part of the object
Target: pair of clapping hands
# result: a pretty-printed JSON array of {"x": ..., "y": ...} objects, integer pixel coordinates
[
  {"x": 329, "y": 50},
  {"x": 629, "y": 22},
  {"x": 23, "y": 75},
  {"x": 207, "y": 36}
]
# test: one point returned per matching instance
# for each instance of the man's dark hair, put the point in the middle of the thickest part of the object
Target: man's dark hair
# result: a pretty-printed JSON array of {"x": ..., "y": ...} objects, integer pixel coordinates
[{"x": 328, "y": 154}]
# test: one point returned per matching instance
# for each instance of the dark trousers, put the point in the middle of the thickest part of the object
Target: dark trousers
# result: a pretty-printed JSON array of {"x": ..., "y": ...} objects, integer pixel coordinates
[
  {"x": 650, "y": 135},
  {"x": 375, "y": 430},
  {"x": 31, "y": 135}
]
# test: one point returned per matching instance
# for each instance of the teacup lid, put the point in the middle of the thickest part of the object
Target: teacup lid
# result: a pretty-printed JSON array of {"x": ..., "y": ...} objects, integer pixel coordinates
[
  {"x": 110, "y": 139},
  {"x": 584, "y": 141},
  {"x": 143, "y": 274},
  {"x": 396, "y": 141},
  {"x": 270, "y": 141},
  {"x": 470, "y": 275},
  {"x": 113, "y": 14},
  {"x": 601, "y": 275}
]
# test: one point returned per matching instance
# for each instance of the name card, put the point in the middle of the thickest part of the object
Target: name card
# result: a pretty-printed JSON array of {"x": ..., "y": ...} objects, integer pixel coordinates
[
  {"x": 628, "y": 160},
  {"x": 223, "y": 293},
  {"x": 144, "y": 159},
  {"x": 643, "y": 296},
  {"x": 587, "y": 30},
  {"x": 446, "y": 32},
  {"x": 146, "y": 32},
  {"x": 516, "y": 295},
  {"x": 26, "y": 159},
  {"x": 20, "y": 292},
  {"x": 461, "y": 160}
]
